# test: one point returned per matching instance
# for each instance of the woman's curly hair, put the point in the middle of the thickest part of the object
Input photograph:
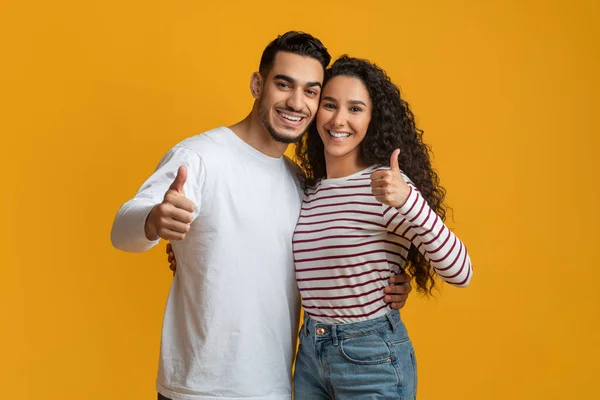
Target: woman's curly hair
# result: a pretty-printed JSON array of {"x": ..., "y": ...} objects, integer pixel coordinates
[{"x": 392, "y": 126}]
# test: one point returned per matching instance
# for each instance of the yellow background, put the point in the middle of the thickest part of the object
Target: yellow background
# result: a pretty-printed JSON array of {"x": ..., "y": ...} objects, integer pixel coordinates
[{"x": 93, "y": 93}]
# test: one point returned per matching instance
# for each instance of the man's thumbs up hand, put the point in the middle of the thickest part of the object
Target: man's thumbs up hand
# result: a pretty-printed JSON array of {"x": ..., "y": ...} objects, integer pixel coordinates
[{"x": 171, "y": 219}]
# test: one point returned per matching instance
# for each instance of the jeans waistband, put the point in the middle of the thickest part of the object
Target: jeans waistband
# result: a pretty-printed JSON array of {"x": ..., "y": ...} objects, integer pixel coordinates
[{"x": 336, "y": 332}]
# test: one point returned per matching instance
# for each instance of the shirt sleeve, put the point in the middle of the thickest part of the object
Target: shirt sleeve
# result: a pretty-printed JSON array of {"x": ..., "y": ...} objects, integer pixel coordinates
[
  {"x": 417, "y": 222},
  {"x": 127, "y": 232}
]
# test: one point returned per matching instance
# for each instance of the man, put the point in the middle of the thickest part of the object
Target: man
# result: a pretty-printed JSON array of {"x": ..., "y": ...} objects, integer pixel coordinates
[{"x": 229, "y": 200}]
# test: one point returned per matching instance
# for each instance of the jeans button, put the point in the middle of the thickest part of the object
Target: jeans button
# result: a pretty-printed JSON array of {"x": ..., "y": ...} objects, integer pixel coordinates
[{"x": 320, "y": 331}]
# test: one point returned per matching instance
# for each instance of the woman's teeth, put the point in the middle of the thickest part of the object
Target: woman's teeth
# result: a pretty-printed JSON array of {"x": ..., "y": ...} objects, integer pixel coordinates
[{"x": 339, "y": 135}]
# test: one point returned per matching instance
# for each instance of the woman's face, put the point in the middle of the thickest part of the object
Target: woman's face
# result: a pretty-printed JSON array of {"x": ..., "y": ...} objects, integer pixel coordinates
[{"x": 343, "y": 117}]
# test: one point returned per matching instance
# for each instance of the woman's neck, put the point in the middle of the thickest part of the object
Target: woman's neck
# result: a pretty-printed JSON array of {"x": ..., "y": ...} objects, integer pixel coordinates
[{"x": 339, "y": 167}]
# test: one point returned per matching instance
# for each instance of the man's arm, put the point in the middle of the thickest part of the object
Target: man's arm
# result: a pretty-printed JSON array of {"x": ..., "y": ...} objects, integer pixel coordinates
[
  {"x": 398, "y": 291},
  {"x": 164, "y": 206}
]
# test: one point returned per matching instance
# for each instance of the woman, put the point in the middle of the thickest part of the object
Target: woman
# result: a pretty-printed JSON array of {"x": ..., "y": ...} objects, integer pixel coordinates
[
  {"x": 369, "y": 209},
  {"x": 373, "y": 206}
]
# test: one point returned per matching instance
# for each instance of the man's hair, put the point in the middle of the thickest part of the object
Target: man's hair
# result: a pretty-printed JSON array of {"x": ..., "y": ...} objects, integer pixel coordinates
[{"x": 297, "y": 43}]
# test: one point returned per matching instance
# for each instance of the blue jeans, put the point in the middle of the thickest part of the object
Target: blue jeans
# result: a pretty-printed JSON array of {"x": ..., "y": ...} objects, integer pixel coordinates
[{"x": 365, "y": 360}]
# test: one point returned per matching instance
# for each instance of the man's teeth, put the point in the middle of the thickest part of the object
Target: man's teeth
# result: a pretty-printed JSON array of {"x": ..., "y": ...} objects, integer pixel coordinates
[
  {"x": 290, "y": 117},
  {"x": 339, "y": 135}
]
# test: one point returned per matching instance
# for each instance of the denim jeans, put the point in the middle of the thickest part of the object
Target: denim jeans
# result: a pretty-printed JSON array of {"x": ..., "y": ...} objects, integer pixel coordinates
[
  {"x": 161, "y": 397},
  {"x": 365, "y": 360}
]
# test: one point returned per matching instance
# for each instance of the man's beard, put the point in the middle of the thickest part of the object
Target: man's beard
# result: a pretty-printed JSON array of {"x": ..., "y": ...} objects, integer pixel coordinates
[{"x": 274, "y": 134}]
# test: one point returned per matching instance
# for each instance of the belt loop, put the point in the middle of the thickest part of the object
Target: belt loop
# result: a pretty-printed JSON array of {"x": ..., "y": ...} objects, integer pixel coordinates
[
  {"x": 305, "y": 325},
  {"x": 334, "y": 335},
  {"x": 389, "y": 317}
]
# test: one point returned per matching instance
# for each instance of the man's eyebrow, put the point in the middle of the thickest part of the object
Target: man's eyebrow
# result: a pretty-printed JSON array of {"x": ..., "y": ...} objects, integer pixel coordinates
[{"x": 293, "y": 81}]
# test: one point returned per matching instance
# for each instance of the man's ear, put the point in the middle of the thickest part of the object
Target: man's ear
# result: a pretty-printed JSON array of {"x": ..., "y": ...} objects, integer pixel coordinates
[{"x": 256, "y": 85}]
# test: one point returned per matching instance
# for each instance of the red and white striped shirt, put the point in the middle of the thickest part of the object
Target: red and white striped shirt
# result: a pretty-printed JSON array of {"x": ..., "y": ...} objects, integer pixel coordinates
[{"x": 347, "y": 245}]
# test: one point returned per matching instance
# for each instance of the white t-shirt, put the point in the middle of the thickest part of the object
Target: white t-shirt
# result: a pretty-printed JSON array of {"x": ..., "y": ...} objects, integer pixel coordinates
[{"x": 231, "y": 319}]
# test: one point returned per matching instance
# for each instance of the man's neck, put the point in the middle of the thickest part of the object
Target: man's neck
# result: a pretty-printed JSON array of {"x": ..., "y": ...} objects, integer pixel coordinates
[{"x": 252, "y": 131}]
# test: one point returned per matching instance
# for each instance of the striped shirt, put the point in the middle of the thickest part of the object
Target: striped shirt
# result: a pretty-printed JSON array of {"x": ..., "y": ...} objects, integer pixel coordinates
[{"x": 347, "y": 244}]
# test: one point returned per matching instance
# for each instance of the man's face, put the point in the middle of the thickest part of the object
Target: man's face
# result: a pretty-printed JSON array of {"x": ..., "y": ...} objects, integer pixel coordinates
[{"x": 290, "y": 96}]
